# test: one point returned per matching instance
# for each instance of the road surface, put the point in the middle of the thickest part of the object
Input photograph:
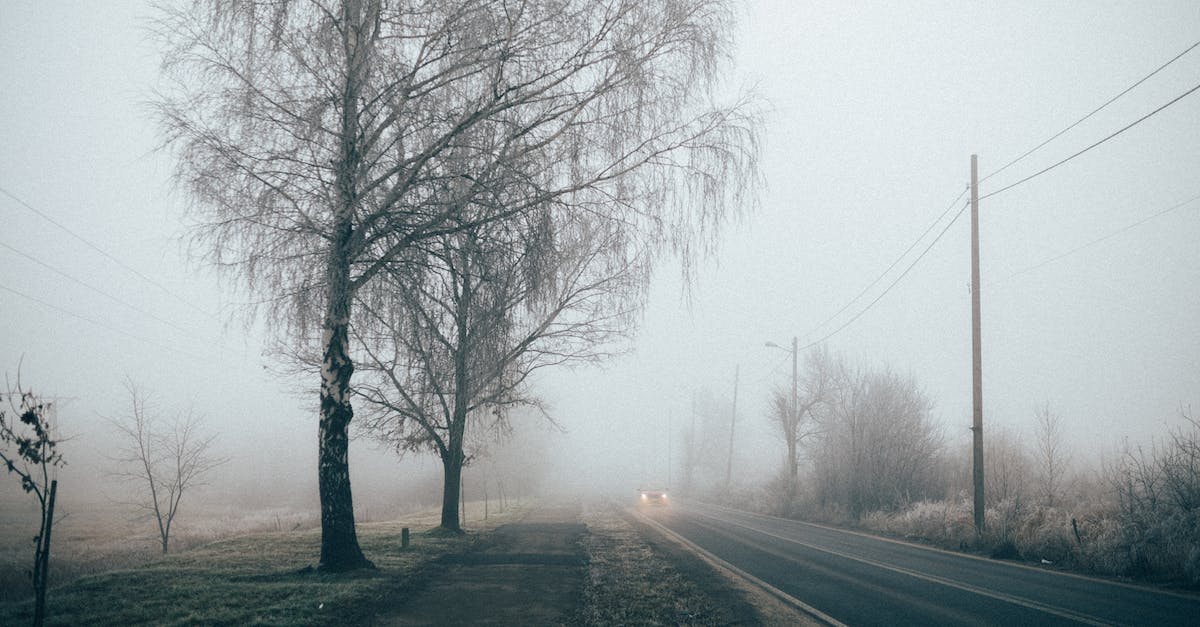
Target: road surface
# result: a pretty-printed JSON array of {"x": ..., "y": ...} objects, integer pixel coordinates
[{"x": 856, "y": 579}]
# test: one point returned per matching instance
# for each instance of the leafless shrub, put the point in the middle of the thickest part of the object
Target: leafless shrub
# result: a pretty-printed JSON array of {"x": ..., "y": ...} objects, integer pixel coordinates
[{"x": 1156, "y": 494}]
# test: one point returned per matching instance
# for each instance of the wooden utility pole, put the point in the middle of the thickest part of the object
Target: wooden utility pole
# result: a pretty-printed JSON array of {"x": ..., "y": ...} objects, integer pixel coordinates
[
  {"x": 976, "y": 354},
  {"x": 732, "y": 423}
]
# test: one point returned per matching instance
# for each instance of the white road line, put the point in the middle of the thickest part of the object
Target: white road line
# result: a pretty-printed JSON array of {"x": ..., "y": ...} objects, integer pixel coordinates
[
  {"x": 1021, "y": 601},
  {"x": 955, "y": 554},
  {"x": 772, "y": 590}
]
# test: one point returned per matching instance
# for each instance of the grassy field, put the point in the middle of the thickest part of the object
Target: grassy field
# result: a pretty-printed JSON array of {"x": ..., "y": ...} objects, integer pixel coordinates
[{"x": 257, "y": 579}]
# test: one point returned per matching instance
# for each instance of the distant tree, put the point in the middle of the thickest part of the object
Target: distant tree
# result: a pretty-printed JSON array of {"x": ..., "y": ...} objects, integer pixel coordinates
[
  {"x": 1010, "y": 470},
  {"x": 27, "y": 429},
  {"x": 490, "y": 306},
  {"x": 879, "y": 447},
  {"x": 705, "y": 434},
  {"x": 328, "y": 142},
  {"x": 162, "y": 461},
  {"x": 1052, "y": 455},
  {"x": 797, "y": 423}
]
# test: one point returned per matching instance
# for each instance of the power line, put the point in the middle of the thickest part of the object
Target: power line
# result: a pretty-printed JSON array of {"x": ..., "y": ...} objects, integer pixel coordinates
[
  {"x": 893, "y": 264},
  {"x": 1093, "y": 112},
  {"x": 892, "y": 285},
  {"x": 1098, "y": 240},
  {"x": 103, "y": 252},
  {"x": 99, "y": 323},
  {"x": 96, "y": 289},
  {"x": 1122, "y": 130}
]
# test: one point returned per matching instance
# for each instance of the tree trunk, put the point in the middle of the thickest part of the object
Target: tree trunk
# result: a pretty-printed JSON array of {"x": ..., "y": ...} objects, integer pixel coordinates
[
  {"x": 42, "y": 559},
  {"x": 339, "y": 543},
  {"x": 453, "y": 457},
  {"x": 450, "y": 492}
]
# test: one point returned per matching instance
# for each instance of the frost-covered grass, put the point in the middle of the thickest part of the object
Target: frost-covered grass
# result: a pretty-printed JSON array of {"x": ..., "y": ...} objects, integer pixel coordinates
[
  {"x": 629, "y": 583},
  {"x": 1093, "y": 538},
  {"x": 257, "y": 578},
  {"x": 101, "y": 537}
]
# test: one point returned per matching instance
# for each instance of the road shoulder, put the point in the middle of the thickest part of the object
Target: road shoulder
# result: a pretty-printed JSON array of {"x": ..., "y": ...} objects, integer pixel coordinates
[{"x": 754, "y": 602}]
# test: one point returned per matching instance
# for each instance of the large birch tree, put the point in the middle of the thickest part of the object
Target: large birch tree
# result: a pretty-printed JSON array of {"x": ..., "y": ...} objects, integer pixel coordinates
[{"x": 325, "y": 142}]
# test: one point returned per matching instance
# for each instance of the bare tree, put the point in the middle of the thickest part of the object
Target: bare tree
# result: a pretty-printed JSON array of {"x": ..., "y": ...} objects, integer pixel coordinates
[
  {"x": 162, "y": 462},
  {"x": 706, "y": 437},
  {"x": 1052, "y": 456},
  {"x": 490, "y": 306},
  {"x": 1157, "y": 494},
  {"x": 879, "y": 447},
  {"x": 798, "y": 423},
  {"x": 324, "y": 142},
  {"x": 1009, "y": 468},
  {"x": 1179, "y": 463},
  {"x": 28, "y": 429}
]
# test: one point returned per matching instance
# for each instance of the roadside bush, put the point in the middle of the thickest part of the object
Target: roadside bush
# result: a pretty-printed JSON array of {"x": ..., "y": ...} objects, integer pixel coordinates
[
  {"x": 1157, "y": 507},
  {"x": 946, "y": 523},
  {"x": 779, "y": 497},
  {"x": 1045, "y": 534},
  {"x": 1002, "y": 520}
]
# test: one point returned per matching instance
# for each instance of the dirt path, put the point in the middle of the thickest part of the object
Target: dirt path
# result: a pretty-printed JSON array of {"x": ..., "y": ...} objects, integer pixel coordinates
[{"x": 527, "y": 573}]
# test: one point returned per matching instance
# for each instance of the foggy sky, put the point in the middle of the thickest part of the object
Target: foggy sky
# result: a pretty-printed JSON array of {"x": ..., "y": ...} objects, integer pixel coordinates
[{"x": 874, "y": 113}]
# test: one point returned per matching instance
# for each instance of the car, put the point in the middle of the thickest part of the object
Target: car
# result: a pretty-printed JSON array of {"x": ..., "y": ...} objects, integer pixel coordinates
[{"x": 652, "y": 496}]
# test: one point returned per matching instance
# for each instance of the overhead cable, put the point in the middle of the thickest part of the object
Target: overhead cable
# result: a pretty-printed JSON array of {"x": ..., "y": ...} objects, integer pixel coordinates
[
  {"x": 893, "y": 264},
  {"x": 106, "y": 254},
  {"x": 99, "y": 323},
  {"x": 1093, "y": 112},
  {"x": 893, "y": 283},
  {"x": 1122, "y": 130},
  {"x": 1098, "y": 240},
  {"x": 96, "y": 289}
]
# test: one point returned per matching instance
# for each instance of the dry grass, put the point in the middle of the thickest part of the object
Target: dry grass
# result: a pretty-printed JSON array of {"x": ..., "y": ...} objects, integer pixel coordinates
[
  {"x": 250, "y": 579},
  {"x": 629, "y": 583},
  {"x": 103, "y": 537}
]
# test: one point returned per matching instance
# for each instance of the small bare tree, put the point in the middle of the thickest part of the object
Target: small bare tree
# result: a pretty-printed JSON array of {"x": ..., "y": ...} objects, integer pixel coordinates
[
  {"x": 34, "y": 460},
  {"x": 162, "y": 461},
  {"x": 1052, "y": 456}
]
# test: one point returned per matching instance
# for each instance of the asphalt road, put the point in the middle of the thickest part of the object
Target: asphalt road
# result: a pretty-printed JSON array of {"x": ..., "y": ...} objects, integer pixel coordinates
[{"x": 858, "y": 579}]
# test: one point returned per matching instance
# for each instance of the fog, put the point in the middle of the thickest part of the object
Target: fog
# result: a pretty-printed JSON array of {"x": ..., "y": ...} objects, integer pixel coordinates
[{"x": 1090, "y": 271}]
